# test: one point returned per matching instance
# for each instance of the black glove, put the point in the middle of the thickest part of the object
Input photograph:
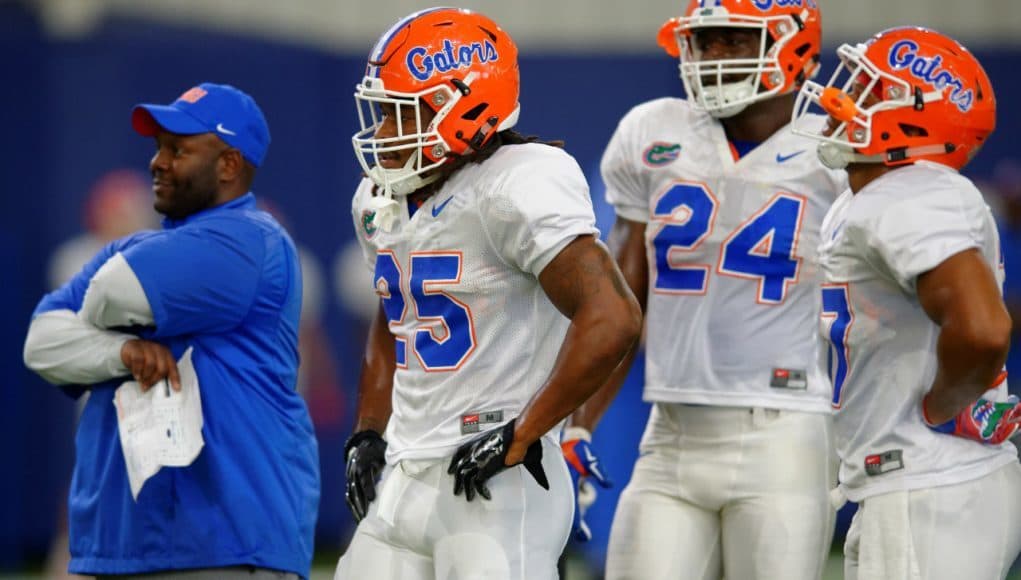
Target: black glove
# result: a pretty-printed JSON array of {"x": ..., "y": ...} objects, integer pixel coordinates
[
  {"x": 365, "y": 454},
  {"x": 483, "y": 457}
]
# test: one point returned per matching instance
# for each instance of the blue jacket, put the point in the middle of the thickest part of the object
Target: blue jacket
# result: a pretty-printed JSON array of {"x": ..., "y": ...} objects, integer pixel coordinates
[{"x": 225, "y": 281}]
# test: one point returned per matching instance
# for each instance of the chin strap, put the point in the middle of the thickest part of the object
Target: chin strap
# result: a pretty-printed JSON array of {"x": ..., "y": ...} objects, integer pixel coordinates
[
  {"x": 384, "y": 204},
  {"x": 384, "y": 210},
  {"x": 836, "y": 156}
]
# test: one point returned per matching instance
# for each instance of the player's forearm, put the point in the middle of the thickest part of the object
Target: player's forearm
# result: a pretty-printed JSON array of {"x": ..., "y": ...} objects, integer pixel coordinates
[
  {"x": 375, "y": 387},
  {"x": 596, "y": 343},
  {"x": 968, "y": 363},
  {"x": 627, "y": 240},
  {"x": 63, "y": 349},
  {"x": 592, "y": 410}
]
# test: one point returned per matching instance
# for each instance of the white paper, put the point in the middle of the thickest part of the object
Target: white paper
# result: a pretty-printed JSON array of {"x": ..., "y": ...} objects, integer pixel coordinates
[{"x": 160, "y": 427}]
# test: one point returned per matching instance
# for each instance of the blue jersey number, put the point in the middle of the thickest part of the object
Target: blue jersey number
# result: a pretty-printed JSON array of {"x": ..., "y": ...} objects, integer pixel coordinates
[
  {"x": 687, "y": 212},
  {"x": 763, "y": 248},
  {"x": 388, "y": 286},
  {"x": 836, "y": 311},
  {"x": 450, "y": 335},
  {"x": 445, "y": 334}
]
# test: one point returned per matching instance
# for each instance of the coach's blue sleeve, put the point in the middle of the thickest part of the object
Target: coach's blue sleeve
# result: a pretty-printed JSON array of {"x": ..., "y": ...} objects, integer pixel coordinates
[{"x": 200, "y": 278}]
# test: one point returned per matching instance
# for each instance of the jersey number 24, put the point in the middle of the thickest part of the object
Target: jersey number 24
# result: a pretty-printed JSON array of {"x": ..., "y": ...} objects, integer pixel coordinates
[{"x": 763, "y": 248}]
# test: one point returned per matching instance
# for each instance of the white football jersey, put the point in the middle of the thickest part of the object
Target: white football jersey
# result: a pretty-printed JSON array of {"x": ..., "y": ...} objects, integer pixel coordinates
[
  {"x": 733, "y": 280},
  {"x": 476, "y": 334},
  {"x": 882, "y": 352}
]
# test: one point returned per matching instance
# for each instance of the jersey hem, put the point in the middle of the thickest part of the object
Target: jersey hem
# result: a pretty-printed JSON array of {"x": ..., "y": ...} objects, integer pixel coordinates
[
  {"x": 568, "y": 236},
  {"x": 926, "y": 480},
  {"x": 95, "y": 565},
  {"x": 447, "y": 451},
  {"x": 807, "y": 404}
]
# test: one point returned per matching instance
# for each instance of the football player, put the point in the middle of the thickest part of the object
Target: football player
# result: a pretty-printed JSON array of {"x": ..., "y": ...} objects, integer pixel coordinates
[
  {"x": 500, "y": 313},
  {"x": 913, "y": 313},
  {"x": 718, "y": 210}
]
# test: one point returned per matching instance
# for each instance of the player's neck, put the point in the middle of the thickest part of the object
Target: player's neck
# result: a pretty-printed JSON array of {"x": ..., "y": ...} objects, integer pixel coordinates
[
  {"x": 861, "y": 174},
  {"x": 420, "y": 195},
  {"x": 760, "y": 120}
]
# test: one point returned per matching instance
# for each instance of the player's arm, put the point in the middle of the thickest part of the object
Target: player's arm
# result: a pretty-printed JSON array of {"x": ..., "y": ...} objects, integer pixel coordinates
[
  {"x": 365, "y": 450},
  {"x": 627, "y": 241},
  {"x": 586, "y": 286},
  {"x": 376, "y": 383},
  {"x": 962, "y": 296}
]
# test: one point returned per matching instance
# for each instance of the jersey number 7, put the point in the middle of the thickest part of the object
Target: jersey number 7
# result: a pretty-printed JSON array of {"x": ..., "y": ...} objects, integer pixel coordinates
[
  {"x": 836, "y": 319},
  {"x": 763, "y": 248}
]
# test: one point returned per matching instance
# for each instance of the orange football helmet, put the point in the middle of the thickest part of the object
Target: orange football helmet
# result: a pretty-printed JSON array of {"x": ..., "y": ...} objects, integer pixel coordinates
[
  {"x": 459, "y": 64},
  {"x": 905, "y": 94},
  {"x": 790, "y": 38}
]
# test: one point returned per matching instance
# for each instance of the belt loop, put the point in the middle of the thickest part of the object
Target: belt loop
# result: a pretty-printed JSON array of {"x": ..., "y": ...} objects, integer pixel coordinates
[{"x": 758, "y": 416}]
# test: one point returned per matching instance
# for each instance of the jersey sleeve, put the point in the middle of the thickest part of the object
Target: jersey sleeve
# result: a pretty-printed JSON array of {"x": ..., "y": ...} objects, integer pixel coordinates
[
  {"x": 537, "y": 207},
  {"x": 200, "y": 278},
  {"x": 626, "y": 184},
  {"x": 922, "y": 231},
  {"x": 365, "y": 230}
]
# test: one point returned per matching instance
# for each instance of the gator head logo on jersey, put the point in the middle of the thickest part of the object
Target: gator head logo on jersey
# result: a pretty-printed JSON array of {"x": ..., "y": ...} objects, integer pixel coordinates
[
  {"x": 368, "y": 226},
  {"x": 660, "y": 153},
  {"x": 422, "y": 65}
]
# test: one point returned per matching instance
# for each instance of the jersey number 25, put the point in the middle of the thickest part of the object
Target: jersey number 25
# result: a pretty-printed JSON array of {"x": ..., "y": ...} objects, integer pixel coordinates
[{"x": 444, "y": 334}]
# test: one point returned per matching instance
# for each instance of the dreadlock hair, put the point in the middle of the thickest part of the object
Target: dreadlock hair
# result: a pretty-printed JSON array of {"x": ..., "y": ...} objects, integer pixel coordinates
[{"x": 505, "y": 137}]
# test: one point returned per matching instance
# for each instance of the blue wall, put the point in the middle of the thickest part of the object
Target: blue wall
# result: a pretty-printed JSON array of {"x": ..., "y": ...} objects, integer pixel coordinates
[{"x": 65, "y": 109}]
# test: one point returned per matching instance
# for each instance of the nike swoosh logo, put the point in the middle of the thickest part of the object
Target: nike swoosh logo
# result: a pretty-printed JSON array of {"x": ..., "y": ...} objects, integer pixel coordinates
[
  {"x": 439, "y": 207},
  {"x": 783, "y": 158},
  {"x": 225, "y": 131}
]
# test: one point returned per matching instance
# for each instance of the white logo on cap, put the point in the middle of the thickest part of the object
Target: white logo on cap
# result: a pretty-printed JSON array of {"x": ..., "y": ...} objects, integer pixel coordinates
[{"x": 220, "y": 128}]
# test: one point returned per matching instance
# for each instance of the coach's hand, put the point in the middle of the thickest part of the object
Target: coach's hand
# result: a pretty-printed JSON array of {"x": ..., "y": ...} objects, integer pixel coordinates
[
  {"x": 585, "y": 466},
  {"x": 365, "y": 455},
  {"x": 483, "y": 457},
  {"x": 150, "y": 362}
]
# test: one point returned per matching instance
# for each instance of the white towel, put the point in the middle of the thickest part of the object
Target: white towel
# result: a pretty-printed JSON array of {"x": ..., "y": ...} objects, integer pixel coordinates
[{"x": 886, "y": 551}]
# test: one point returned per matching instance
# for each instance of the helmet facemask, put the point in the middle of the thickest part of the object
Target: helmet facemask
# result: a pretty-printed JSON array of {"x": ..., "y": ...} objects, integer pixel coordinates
[
  {"x": 428, "y": 148},
  {"x": 761, "y": 77}
]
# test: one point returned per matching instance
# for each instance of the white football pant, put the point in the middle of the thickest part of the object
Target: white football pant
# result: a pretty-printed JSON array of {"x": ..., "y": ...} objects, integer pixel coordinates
[
  {"x": 969, "y": 530},
  {"x": 727, "y": 492},
  {"x": 417, "y": 529}
]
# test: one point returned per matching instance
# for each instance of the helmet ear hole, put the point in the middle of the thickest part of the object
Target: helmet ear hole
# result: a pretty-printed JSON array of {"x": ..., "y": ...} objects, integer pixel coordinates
[
  {"x": 912, "y": 130},
  {"x": 979, "y": 93}
]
